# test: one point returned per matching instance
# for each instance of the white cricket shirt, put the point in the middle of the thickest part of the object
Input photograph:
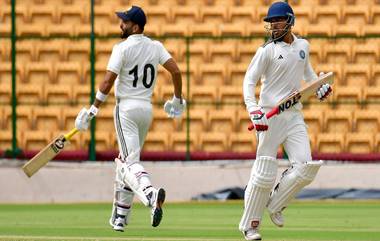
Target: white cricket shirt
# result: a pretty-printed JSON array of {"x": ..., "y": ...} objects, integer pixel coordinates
[
  {"x": 281, "y": 68},
  {"x": 135, "y": 61}
]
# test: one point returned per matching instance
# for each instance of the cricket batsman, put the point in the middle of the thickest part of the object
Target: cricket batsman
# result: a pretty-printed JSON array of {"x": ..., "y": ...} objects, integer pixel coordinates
[
  {"x": 132, "y": 67},
  {"x": 281, "y": 64}
]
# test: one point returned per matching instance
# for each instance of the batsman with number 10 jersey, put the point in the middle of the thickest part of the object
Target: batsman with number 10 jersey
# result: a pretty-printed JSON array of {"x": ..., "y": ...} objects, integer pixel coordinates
[{"x": 132, "y": 68}]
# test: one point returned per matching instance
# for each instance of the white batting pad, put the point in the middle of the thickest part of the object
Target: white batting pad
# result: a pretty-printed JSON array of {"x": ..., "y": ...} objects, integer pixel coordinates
[
  {"x": 263, "y": 176},
  {"x": 122, "y": 202},
  {"x": 125, "y": 175},
  {"x": 292, "y": 181}
]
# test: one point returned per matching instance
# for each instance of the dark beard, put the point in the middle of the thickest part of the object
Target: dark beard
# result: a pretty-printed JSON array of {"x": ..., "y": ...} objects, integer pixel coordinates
[{"x": 125, "y": 34}]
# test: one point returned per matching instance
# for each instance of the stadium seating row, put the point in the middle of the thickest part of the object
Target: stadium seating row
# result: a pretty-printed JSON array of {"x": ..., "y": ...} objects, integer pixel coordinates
[
  {"x": 201, "y": 120},
  {"x": 188, "y": 30},
  {"x": 349, "y": 142},
  {"x": 156, "y": 141},
  {"x": 64, "y": 50},
  {"x": 56, "y": 51},
  {"x": 225, "y": 74},
  {"x": 198, "y": 2},
  {"x": 201, "y": 96},
  {"x": 165, "y": 14},
  {"x": 210, "y": 142},
  {"x": 207, "y": 51}
]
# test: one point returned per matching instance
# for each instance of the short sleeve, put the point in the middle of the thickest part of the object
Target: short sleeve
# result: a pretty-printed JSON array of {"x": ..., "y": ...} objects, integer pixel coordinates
[
  {"x": 163, "y": 53},
  {"x": 116, "y": 60}
]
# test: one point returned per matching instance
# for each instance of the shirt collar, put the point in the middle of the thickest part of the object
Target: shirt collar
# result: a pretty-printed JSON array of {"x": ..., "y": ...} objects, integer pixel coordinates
[
  {"x": 283, "y": 44},
  {"x": 136, "y": 36}
]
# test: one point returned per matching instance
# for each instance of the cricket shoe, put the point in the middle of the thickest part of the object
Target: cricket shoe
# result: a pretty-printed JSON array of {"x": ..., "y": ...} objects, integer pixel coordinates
[
  {"x": 252, "y": 234},
  {"x": 119, "y": 223},
  {"x": 277, "y": 219},
  {"x": 157, "y": 200}
]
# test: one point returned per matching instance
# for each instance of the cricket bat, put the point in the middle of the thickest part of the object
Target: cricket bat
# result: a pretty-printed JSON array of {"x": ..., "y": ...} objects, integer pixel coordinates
[
  {"x": 298, "y": 96},
  {"x": 48, "y": 153}
]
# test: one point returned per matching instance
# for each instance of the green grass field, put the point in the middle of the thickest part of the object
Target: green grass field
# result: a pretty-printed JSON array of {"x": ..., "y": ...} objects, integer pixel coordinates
[{"x": 322, "y": 220}]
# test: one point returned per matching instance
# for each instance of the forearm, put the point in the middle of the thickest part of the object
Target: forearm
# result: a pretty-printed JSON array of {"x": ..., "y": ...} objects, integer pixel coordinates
[
  {"x": 104, "y": 88},
  {"x": 173, "y": 69},
  {"x": 177, "y": 82}
]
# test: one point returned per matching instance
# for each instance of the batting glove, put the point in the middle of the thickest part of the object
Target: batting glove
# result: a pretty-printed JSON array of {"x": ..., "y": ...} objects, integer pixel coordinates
[
  {"x": 84, "y": 117},
  {"x": 323, "y": 92},
  {"x": 175, "y": 107},
  {"x": 259, "y": 120}
]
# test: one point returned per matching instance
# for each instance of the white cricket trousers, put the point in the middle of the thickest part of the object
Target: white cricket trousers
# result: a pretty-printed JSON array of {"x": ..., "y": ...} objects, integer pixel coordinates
[
  {"x": 289, "y": 129},
  {"x": 132, "y": 121}
]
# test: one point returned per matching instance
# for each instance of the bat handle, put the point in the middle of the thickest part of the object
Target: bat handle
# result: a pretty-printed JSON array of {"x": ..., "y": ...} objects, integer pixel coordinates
[
  {"x": 69, "y": 135},
  {"x": 269, "y": 115}
]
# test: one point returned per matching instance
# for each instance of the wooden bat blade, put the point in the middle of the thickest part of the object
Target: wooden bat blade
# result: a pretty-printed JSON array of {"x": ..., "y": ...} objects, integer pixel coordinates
[
  {"x": 44, "y": 156},
  {"x": 304, "y": 93},
  {"x": 311, "y": 88},
  {"x": 298, "y": 96}
]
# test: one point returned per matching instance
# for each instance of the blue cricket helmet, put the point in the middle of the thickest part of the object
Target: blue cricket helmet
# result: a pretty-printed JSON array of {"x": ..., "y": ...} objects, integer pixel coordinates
[{"x": 280, "y": 9}]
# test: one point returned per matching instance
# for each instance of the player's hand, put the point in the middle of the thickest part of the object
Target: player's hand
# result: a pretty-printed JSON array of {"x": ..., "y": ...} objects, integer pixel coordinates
[
  {"x": 324, "y": 91},
  {"x": 84, "y": 117},
  {"x": 175, "y": 107},
  {"x": 259, "y": 120}
]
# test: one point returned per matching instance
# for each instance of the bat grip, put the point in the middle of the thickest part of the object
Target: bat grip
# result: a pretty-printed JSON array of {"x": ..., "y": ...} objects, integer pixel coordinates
[
  {"x": 269, "y": 115},
  {"x": 70, "y": 134}
]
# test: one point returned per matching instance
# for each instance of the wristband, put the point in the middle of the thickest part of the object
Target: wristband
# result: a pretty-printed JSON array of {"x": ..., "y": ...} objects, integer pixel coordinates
[
  {"x": 93, "y": 110},
  {"x": 100, "y": 96}
]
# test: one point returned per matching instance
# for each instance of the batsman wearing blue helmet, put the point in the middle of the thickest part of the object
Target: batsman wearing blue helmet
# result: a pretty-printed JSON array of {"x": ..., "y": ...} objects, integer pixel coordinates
[{"x": 281, "y": 64}]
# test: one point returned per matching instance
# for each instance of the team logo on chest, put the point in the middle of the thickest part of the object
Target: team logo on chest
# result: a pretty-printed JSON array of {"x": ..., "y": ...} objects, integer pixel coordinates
[{"x": 302, "y": 54}]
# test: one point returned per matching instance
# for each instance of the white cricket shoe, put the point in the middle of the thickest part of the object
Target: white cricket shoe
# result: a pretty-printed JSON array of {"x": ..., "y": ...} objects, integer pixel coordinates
[
  {"x": 277, "y": 219},
  {"x": 118, "y": 225},
  {"x": 157, "y": 200},
  {"x": 252, "y": 234}
]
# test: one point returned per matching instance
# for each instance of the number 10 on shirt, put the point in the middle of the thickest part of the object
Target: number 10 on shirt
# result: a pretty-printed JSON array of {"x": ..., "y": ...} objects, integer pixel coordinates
[{"x": 134, "y": 72}]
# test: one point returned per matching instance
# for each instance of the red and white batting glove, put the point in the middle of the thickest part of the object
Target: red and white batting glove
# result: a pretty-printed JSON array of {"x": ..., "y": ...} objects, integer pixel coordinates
[
  {"x": 259, "y": 120},
  {"x": 323, "y": 92}
]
